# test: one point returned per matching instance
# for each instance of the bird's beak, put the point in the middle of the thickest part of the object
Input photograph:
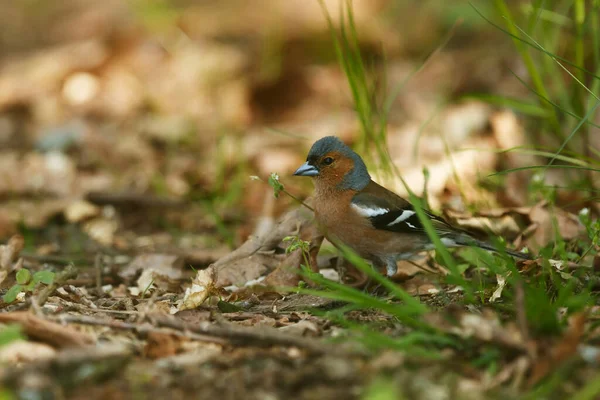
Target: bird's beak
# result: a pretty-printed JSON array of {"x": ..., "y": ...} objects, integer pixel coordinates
[{"x": 307, "y": 170}]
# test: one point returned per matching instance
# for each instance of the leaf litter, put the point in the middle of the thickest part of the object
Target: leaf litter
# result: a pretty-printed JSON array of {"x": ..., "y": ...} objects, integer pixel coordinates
[{"x": 165, "y": 258}]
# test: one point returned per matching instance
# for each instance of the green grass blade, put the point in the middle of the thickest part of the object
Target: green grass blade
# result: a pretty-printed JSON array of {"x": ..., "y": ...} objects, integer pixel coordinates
[
  {"x": 522, "y": 106},
  {"x": 592, "y": 74},
  {"x": 528, "y": 61},
  {"x": 543, "y": 167},
  {"x": 590, "y": 391},
  {"x": 579, "y": 125}
]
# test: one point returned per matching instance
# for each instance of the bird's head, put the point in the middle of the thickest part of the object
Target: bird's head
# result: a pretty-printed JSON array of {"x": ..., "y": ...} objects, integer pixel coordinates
[{"x": 336, "y": 165}]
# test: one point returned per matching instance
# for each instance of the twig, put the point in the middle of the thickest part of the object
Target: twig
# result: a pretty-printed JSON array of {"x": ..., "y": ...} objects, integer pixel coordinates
[
  {"x": 522, "y": 317},
  {"x": 249, "y": 336},
  {"x": 59, "y": 280},
  {"x": 98, "y": 270},
  {"x": 143, "y": 329},
  {"x": 147, "y": 307},
  {"x": 285, "y": 227},
  {"x": 47, "y": 331},
  {"x": 56, "y": 259},
  {"x": 216, "y": 333},
  {"x": 71, "y": 306}
]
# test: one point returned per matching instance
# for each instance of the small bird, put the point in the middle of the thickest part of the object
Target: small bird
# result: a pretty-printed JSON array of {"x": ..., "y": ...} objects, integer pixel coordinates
[{"x": 376, "y": 223}]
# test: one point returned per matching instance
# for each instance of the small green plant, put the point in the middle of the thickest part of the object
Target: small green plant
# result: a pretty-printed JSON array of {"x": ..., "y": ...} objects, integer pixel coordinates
[
  {"x": 26, "y": 282},
  {"x": 279, "y": 188},
  {"x": 296, "y": 243},
  {"x": 10, "y": 333},
  {"x": 382, "y": 389},
  {"x": 275, "y": 184}
]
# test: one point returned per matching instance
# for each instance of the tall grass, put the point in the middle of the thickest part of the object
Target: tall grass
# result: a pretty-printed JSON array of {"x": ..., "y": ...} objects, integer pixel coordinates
[
  {"x": 564, "y": 97},
  {"x": 558, "y": 44}
]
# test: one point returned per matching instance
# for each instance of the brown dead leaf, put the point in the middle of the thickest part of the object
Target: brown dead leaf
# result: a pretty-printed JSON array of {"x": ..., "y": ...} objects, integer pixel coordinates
[
  {"x": 8, "y": 224},
  {"x": 408, "y": 269},
  {"x": 424, "y": 285},
  {"x": 287, "y": 273},
  {"x": 509, "y": 134},
  {"x": 80, "y": 210},
  {"x": 245, "y": 270},
  {"x": 257, "y": 255},
  {"x": 163, "y": 344},
  {"x": 258, "y": 320},
  {"x": 32, "y": 213},
  {"x": 102, "y": 229},
  {"x": 302, "y": 328},
  {"x": 543, "y": 216},
  {"x": 194, "y": 316},
  {"x": 485, "y": 327},
  {"x": 536, "y": 223},
  {"x": 502, "y": 222},
  {"x": 8, "y": 254},
  {"x": 194, "y": 354},
  {"x": 162, "y": 271},
  {"x": 10, "y": 251},
  {"x": 167, "y": 265}
]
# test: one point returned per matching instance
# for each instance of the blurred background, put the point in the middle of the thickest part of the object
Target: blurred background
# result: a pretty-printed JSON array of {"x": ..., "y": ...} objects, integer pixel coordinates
[{"x": 138, "y": 124}]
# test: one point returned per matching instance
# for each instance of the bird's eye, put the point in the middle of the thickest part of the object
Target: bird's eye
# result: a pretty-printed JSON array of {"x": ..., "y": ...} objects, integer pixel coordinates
[{"x": 327, "y": 160}]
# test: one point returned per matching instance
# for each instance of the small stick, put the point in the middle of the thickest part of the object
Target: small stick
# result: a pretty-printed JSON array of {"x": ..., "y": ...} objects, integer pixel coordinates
[
  {"x": 522, "y": 317},
  {"x": 143, "y": 329},
  {"x": 59, "y": 280},
  {"x": 98, "y": 269}
]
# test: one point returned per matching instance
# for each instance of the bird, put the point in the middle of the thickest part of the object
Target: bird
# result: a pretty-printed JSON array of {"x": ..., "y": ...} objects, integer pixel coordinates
[{"x": 374, "y": 222}]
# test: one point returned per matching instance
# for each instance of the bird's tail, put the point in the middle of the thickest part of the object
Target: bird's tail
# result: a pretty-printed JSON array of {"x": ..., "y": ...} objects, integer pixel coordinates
[{"x": 465, "y": 240}]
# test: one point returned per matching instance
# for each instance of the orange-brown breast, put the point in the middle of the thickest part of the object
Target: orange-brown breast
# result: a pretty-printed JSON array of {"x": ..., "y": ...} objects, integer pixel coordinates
[{"x": 339, "y": 220}]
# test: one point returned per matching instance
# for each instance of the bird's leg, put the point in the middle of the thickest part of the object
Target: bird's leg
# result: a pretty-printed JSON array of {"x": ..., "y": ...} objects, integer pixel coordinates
[
  {"x": 391, "y": 267},
  {"x": 341, "y": 268}
]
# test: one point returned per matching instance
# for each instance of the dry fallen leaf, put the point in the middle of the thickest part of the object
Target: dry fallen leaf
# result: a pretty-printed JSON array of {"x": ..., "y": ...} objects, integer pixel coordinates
[
  {"x": 8, "y": 254},
  {"x": 245, "y": 270},
  {"x": 302, "y": 328},
  {"x": 162, "y": 344},
  {"x": 80, "y": 210},
  {"x": 203, "y": 286},
  {"x": 258, "y": 254},
  {"x": 21, "y": 351},
  {"x": 102, "y": 229},
  {"x": 10, "y": 251},
  {"x": 485, "y": 327},
  {"x": 167, "y": 265},
  {"x": 536, "y": 223},
  {"x": 498, "y": 292},
  {"x": 544, "y": 215},
  {"x": 509, "y": 134}
]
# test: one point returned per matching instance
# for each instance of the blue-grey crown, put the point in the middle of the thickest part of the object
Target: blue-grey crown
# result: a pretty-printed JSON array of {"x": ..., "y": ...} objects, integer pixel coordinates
[{"x": 358, "y": 177}]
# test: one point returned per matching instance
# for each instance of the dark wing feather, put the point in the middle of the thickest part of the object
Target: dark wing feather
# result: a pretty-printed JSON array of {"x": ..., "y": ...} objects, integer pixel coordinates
[
  {"x": 399, "y": 214},
  {"x": 391, "y": 212}
]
